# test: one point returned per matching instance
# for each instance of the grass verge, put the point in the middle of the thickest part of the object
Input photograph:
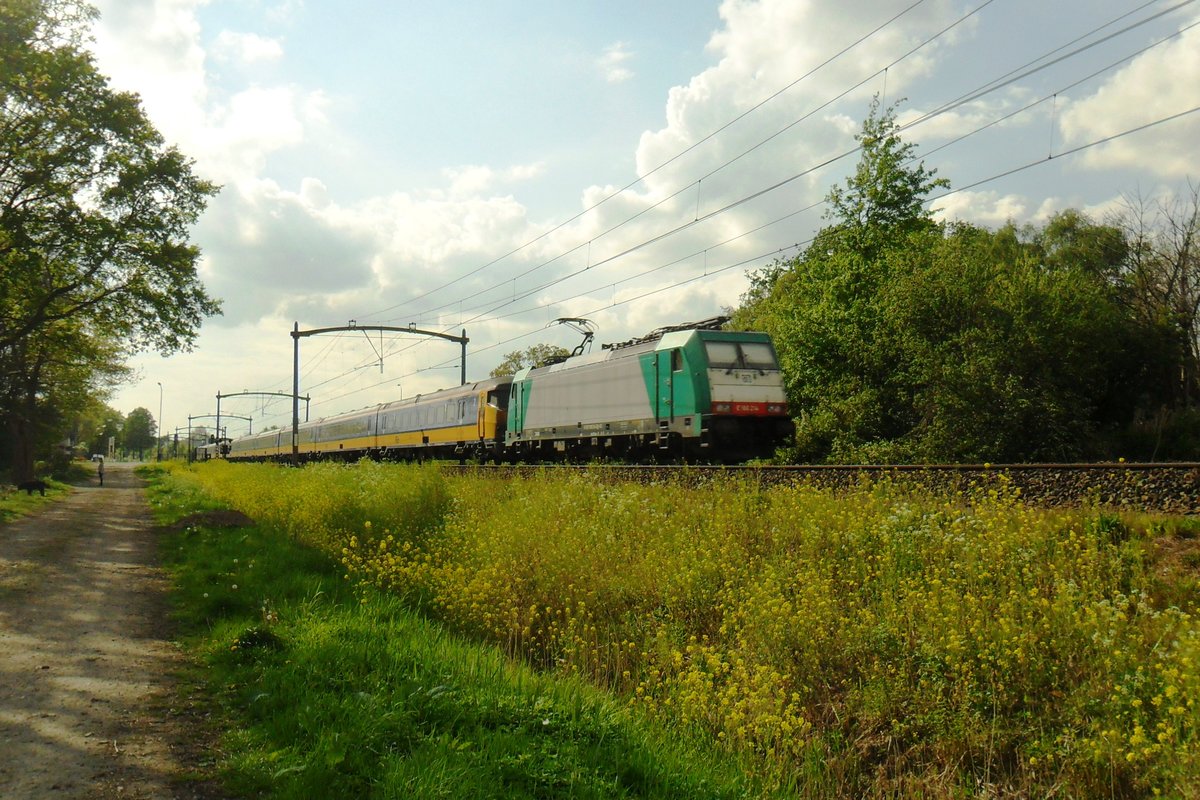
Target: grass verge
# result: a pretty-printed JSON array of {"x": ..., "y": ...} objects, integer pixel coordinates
[
  {"x": 328, "y": 688},
  {"x": 15, "y": 503},
  {"x": 869, "y": 642}
]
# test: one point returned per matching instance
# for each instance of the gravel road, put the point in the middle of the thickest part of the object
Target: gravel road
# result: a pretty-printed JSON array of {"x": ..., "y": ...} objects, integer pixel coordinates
[{"x": 88, "y": 708}]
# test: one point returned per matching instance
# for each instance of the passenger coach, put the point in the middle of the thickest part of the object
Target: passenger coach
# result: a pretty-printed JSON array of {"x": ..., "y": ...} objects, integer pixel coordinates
[{"x": 465, "y": 422}]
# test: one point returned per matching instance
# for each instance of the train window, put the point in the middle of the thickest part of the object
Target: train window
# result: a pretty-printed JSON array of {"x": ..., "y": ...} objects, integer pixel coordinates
[
  {"x": 676, "y": 360},
  {"x": 758, "y": 355},
  {"x": 740, "y": 355}
]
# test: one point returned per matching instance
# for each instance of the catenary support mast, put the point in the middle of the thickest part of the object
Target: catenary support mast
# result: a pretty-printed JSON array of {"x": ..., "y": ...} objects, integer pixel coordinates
[{"x": 353, "y": 326}]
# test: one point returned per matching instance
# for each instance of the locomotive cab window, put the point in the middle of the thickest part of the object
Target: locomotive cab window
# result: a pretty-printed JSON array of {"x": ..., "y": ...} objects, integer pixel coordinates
[
  {"x": 741, "y": 355},
  {"x": 676, "y": 360}
]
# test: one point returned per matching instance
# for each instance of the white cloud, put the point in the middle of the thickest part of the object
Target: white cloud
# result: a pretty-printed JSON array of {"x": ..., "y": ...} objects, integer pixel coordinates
[
  {"x": 467, "y": 181},
  {"x": 246, "y": 48},
  {"x": 152, "y": 47},
  {"x": 613, "y": 63},
  {"x": 990, "y": 209},
  {"x": 233, "y": 141},
  {"x": 1157, "y": 84},
  {"x": 525, "y": 172},
  {"x": 762, "y": 48}
]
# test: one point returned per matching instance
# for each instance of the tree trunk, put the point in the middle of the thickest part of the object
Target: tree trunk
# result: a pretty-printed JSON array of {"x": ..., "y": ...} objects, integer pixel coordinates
[{"x": 22, "y": 437}]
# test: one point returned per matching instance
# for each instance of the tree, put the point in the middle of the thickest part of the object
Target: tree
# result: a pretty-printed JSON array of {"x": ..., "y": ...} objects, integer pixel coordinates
[
  {"x": 95, "y": 212},
  {"x": 537, "y": 355},
  {"x": 1162, "y": 271},
  {"x": 823, "y": 308},
  {"x": 64, "y": 373},
  {"x": 109, "y": 431},
  {"x": 902, "y": 340},
  {"x": 139, "y": 431},
  {"x": 1010, "y": 349},
  {"x": 886, "y": 196},
  {"x": 89, "y": 424}
]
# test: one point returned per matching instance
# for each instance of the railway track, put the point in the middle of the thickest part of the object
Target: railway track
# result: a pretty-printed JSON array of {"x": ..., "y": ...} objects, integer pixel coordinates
[{"x": 1169, "y": 488}]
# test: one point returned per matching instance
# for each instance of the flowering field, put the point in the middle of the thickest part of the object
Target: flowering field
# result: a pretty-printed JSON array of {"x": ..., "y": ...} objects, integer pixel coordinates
[{"x": 857, "y": 643}]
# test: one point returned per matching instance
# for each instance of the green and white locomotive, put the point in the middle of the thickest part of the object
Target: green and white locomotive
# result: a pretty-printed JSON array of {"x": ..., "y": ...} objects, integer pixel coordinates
[{"x": 690, "y": 391}]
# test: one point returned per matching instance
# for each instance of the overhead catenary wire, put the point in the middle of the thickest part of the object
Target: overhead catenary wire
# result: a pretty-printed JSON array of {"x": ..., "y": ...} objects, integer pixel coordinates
[
  {"x": 664, "y": 164},
  {"x": 828, "y": 161},
  {"x": 562, "y": 278},
  {"x": 668, "y": 161},
  {"x": 1024, "y": 71},
  {"x": 776, "y": 252},
  {"x": 976, "y": 96},
  {"x": 729, "y": 162}
]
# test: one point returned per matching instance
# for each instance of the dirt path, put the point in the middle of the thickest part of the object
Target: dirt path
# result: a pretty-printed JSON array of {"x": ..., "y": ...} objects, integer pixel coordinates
[{"x": 85, "y": 687}]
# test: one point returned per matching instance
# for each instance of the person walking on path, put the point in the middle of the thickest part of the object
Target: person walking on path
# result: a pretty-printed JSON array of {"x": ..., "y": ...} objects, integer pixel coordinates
[{"x": 100, "y": 471}]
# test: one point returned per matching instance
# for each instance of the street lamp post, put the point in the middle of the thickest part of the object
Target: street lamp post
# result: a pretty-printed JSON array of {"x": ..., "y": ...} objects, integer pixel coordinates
[{"x": 158, "y": 438}]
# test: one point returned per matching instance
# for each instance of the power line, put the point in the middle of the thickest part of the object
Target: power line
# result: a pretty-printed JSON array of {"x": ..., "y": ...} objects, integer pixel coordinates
[
  {"x": 661, "y": 166},
  {"x": 757, "y": 258},
  {"x": 727, "y": 163},
  {"x": 993, "y": 85}
]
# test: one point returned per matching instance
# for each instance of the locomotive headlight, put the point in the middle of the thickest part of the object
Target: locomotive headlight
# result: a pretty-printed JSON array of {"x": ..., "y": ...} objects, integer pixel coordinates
[{"x": 721, "y": 408}]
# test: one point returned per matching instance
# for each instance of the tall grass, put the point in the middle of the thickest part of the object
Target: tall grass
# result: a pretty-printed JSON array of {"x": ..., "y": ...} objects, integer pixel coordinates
[
  {"x": 864, "y": 643},
  {"x": 329, "y": 690}
]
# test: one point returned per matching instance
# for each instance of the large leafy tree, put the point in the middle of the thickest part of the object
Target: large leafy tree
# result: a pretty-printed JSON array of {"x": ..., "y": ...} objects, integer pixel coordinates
[
  {"x": 95, "y": 210},
  {"x": 64, "y": 371},
  {"x": 902, "y": 339},
  {"x": 824, "y": 308},
  {"x": 1010, "y": 347},
  {"x": 886, "y": 196}
]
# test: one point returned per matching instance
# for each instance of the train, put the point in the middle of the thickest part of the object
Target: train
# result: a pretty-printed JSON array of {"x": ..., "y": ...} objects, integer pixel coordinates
[{"x": 692, "y": 392}]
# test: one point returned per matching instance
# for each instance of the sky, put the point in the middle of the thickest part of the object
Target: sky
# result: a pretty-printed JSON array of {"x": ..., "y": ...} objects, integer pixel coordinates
[{"x": 495, "y": 166}]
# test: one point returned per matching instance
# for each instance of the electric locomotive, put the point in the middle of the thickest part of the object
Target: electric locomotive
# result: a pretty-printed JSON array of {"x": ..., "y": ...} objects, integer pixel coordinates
[{"x": 690, "y": 391}]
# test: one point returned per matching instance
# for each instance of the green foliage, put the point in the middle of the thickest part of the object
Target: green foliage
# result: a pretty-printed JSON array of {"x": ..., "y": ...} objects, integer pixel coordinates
[
  {"x": 886, "y": 194},
  {"x": 95, "y": 214},
  {"x": 138, "y": 432},
  {"x": 537, "y": 355},
  {"x": 904, "y": 340}
]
